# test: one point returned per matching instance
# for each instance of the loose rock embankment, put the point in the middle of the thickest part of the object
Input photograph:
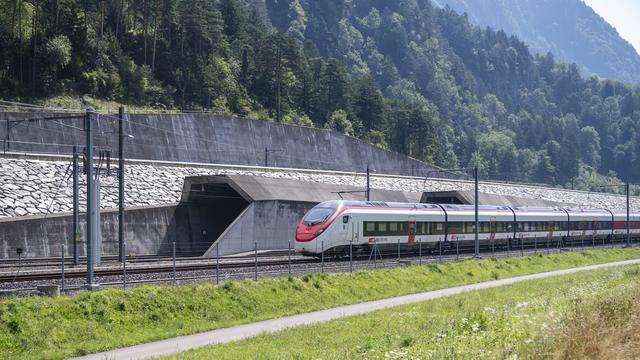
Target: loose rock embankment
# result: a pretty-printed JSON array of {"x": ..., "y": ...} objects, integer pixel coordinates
[{"x": 38, "y": 186}]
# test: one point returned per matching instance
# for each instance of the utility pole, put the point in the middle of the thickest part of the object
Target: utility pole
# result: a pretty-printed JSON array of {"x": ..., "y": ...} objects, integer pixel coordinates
[
  {"x": 121, "y": 253},
  {"x": 76, "y": 207},
  {"x": 266, "y": 157},
  {"x": 368, "y": 184},
  {"x": 626, "y": 188},
  {"x": 477, "y": 242},
  {"x": 91, "y": 211}
]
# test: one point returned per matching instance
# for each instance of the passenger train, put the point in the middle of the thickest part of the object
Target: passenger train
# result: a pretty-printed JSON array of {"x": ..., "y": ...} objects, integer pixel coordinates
[{"x": 339, "y": 227}]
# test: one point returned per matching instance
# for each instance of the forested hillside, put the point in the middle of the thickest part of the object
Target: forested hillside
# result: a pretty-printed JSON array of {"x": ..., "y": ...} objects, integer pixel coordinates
[
  {"x": 400, "y": 74},
  {"x": 569, "y": 29}
]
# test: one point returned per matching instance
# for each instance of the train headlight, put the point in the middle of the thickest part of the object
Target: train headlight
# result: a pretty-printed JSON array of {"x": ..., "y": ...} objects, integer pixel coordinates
[{"x": 320, "y": 231}]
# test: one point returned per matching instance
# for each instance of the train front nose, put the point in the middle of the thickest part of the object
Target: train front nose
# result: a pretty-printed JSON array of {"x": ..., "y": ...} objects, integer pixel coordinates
[{"x": 304, "y": 238}]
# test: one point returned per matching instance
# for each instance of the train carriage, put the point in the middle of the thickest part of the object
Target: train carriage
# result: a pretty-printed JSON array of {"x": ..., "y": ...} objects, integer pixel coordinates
[
  {"x": 589, "y": 226},
  {"x": 539, "y": 226},
  {"x": 495, "y": 226}
]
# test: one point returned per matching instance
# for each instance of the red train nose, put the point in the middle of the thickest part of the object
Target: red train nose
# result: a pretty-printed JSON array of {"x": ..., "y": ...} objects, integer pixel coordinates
[{"x": 308, "y": 233}]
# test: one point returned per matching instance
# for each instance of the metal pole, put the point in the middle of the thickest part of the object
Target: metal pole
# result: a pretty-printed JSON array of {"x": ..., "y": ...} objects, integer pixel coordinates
[
  {"x": 626, "y": 188},
  {"x": 535, "y": 245},
  {"x": 398, "y": 249},
  {"x": 368, "y": 184},
  {"x": 375, "y": 255},
  {"x": 457, "y": 250},
  {"x": 351, "y": 252},
  {"x": 521, "y": 246},
  {"x": 440, "y": 251},
  {"x": 91, "y": 211},
  {"x": 124, "y": 266},
  {"x": 174, "y": 263},
  {"x": 62, "y": 264},
  {"x": 477, "y": 241},
  {"x": 322, "y": 255},
  {"x": 255, "y": 249},
  {"x": 266, "y": 157},
  {"x": 76, "y": 208},
  {"x": 420, "y": 252},
  {"x": 217, "y": 264},
  {"x": 289, "y": 253},
  {"x": 548, "y": 241},
  {"x": 120, "y": 182}
]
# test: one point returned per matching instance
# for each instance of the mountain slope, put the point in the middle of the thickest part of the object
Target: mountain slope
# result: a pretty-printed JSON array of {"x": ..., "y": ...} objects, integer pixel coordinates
[
  {"x": 494, "y": 104},
  {"x": 569, "y": 29}
]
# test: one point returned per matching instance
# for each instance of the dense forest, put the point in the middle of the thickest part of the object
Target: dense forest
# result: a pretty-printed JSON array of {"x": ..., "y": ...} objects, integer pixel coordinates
[
  {"x": 569, "y": 29},
  {"x": 403, "y": 75}
]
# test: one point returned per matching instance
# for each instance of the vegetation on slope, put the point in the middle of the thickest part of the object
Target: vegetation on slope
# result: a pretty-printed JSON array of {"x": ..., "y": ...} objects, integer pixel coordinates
[
  {"x": 400, "y": 74},
  {"x": 569, "y": 29},
  {"x": 36, "y": 327},
  {"x": 520, "y": 321}
]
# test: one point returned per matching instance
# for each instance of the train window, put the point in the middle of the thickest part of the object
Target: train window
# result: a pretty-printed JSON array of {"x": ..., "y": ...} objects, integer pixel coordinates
[
  {"x": 393, "y": 227},
  {"x": 455, "y": 228},
  {"x": 437, "y": 228},
  {"x": 369, "y": 228},
  {"x": 426, "y": 230},
  {"x": 468, "y": 227},
  {"x": 382, "y": 227}
]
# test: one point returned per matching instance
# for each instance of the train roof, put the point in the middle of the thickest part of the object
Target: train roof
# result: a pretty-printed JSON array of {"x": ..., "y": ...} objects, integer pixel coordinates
[
  {"x": 377, "y": 204},
  {"x": 456, "y": 207},
  {"x": 472, "y": 207}
]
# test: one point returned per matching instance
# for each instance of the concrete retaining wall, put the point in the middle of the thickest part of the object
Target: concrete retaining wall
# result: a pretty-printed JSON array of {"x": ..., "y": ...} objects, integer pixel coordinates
[
  {"x": 149, "y": 230},
  {"x": 211, "y": 139}
]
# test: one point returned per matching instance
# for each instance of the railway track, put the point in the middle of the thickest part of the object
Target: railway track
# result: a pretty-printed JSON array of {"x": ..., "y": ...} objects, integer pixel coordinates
[
  {"x": 163, "y": 268},
  {"x": 274, "y": 261},
  {"x": 29, "y": 263}
]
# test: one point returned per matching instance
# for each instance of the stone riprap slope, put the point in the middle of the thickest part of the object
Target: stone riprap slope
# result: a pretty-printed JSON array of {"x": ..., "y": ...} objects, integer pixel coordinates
[{"x": 39, "y": 187}]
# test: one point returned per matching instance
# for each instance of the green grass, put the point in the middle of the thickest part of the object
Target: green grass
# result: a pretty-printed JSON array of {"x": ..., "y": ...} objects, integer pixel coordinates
[
  {"x": 511, "y": 322},
  {"x": 36, "y": 327}
]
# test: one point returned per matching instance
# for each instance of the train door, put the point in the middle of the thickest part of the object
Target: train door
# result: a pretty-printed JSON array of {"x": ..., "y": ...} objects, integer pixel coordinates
[
  {"x": 552, "y": 227},
  {"x": 411, "y": 231},
  {"x": 492, "y": 229}
]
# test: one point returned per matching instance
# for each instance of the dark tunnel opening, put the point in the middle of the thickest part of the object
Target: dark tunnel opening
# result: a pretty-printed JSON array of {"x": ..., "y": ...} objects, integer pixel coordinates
[{"x": 212, "y": 208}]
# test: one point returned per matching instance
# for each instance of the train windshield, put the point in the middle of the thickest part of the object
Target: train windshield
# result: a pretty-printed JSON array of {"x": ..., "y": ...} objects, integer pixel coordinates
[{"x": 318, "y": 216}]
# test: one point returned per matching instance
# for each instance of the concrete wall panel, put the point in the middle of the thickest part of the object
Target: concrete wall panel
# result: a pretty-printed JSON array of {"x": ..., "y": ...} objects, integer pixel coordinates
[
  {"x": 214, "y": 139},
  {"x": 147, "y": 231}
]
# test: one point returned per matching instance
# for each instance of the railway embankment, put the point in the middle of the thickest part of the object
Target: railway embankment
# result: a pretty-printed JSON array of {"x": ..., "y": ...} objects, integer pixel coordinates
[{"x": 36, "y": 327}]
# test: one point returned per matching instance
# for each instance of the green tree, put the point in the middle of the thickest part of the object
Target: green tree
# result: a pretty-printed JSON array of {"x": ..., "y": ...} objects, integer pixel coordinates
[{"x": 339, "y": 122}]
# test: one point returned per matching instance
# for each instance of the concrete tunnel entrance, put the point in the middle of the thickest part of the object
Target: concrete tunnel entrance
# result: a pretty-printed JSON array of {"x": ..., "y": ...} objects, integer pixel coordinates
[{"x": 213, "y": 205}]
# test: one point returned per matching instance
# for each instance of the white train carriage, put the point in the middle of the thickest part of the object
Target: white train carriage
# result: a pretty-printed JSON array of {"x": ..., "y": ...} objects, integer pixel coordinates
[
  {"x": 589, "y": 226},
  {"x": 336, "y": 227},
  {"x": 539, "y": 225},
  {"x": 495, "y": 226},
  {"x": 620, "y": 225}
]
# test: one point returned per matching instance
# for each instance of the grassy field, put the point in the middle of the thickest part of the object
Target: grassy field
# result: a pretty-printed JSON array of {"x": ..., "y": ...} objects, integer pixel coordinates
[
  {"x": 36, "y": 327},
  {"x": 551, "y": 318}
]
